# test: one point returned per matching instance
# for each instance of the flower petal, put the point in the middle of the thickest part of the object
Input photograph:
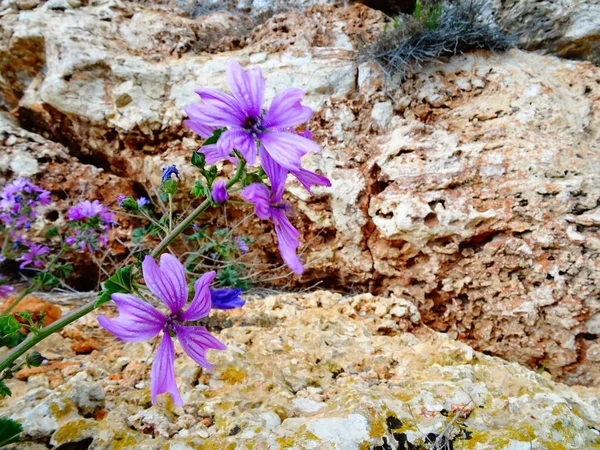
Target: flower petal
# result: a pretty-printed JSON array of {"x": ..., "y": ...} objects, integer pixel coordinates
[
  {"x": 287, "y": 237},
  {"x": 277, "y": 174},
  {"x": 213, "y": 155},
  {"x": 259, "y": 195},
  {"x": 162, "y": 377},
  {"x": 168, "y": 281},
  {"x": 226, "y": 298},
  {"x": 201, "y": 130},
  {"x": 287, "y": 148},
  {"x": 137, "y": 320},
  {"x": 201, "y": 304},
  {"x": 238, "y": 140},
  {"x": 248, "y": 88},
  {"x": 217, "y": 109},
  {"x": 195, "y": 341},
  {"x": 308, "y": 179},
  {"x": 286, "y": 110}
]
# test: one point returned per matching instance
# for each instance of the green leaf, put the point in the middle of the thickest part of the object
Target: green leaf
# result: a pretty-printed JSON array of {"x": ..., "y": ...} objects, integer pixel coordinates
[
  {"x": 64, "y": 270},
  {"x": 129, "y": 204},
  {"x": 45, "y": 279},
  {"x": 8, "y": 326},
  {"x": 12, "y": 340},
  {"x": 138, "y": 234},
  {"x": 119, "y": 282},
  {"x": 198, "y": 190},
  {"x": 25, "y": 315},
  {"x": 52, "y": 232},
  {"x": 214, "y": 138},
  {"x": 4, "y": 390},
  {"x": 9, "y": 431}
]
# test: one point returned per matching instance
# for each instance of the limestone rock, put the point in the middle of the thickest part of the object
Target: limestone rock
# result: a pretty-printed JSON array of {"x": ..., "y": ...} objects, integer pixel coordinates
[
  {"x": 568, "y": 29},
  {"x": 288, "y": 354},
  {"x": 477, "y": 202}
]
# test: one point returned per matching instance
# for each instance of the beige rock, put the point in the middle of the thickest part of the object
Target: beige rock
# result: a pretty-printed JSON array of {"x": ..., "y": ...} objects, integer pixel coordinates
[
  {"x": 568, "y": 29},
  {"x": 375, "y": 387},
  {"x": 477, "y": 203}
]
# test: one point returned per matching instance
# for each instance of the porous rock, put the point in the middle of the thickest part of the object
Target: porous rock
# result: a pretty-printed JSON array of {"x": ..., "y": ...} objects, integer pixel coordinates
[
  {"x": 477, "y": 201},
  {"x": 373, "y": 387}
]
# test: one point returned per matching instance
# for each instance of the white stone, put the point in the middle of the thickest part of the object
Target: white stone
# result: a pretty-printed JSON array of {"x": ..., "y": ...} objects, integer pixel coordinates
[
  {"x": 345, "y": 434},
  {"x": 307, "y": 406},
  {"x": 382, "y": 113}
]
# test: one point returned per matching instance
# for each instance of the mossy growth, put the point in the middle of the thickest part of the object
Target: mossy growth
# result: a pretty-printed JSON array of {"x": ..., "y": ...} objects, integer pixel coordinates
[{"x": 233, "y": 375}]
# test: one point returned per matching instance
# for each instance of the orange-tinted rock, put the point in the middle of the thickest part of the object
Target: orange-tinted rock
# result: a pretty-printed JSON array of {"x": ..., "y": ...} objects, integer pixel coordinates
[{"x": 35, "y": 306}]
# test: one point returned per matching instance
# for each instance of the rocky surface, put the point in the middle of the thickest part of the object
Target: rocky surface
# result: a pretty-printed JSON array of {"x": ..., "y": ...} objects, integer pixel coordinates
[
  {"x": 568, "y": 29},
  {"x": 313, "y": 371},
  {"x": 470, "y": 189}
]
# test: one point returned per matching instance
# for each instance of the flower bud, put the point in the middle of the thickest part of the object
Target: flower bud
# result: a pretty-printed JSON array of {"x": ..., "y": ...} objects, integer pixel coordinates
[
  {"x": 219, "y": 192},
  {"x": 34, "y": 359}
]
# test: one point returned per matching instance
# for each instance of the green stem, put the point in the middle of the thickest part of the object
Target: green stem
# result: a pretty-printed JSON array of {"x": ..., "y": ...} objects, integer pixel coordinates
[
  {"x": 25, "y": 293},
  {"x": 195, "y": 213},
  {"x": 33, "y": 339}
]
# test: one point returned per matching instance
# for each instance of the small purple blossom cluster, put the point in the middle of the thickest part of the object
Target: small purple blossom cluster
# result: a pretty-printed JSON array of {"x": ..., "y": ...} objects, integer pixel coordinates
[
  {"x": 19, "y": 201},
  {"x": 258, "y": 133},
  {"x": 89, "y": 223}
]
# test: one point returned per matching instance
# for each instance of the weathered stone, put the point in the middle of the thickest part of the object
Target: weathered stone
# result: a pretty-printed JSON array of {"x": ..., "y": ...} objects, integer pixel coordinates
[
  {"x": 288, "y": 354},
  {"x": 567, "y": 29},
  {"x": 477, "y": 202}
]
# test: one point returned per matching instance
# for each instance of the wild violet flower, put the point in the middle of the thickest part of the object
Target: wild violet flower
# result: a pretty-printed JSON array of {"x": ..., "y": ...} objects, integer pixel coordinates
[
  {"x": 87, "y": 209},
  {"x": 89, "y": 223},
  {"x": 241, "y": 112},
  {"x": 168, "y": 171},
  {"x": 121, "y": 199},
  {"x": 142, "y": 201},
  {"x": 19, "y": 201},
  {"x": 242, "y": 245},
  {"x": 33, "y": 256},
  {"x": 139, "y": 321},
  {"x": 226, "y": 298},
  {"x": 219, "y": 192}
]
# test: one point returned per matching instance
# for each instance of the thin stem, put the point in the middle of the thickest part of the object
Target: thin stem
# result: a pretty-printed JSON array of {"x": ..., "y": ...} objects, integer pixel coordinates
[
  {"x": 33, "y": 339},
  {"x": 195, "y": 213},
  {"x": 170, "y": 212},
  {"x": 25, "y": 293}
]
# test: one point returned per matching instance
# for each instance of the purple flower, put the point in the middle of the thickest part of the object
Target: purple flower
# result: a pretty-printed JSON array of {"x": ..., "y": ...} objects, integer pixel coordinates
[
  {"x": 268, "y": 205},
  {"x": 5, "y": 290},
  {"x": 242, "y": 245},
  {"x": 87, "y": 209},
  {"x": 168, "y": 171},
  {"x": 142, "y": 201},
  {"x": 242, "y": 113},
  {"x": 90, "y": 222},
  {"x": 219, "y": 192},
  {"x": 18, "y": 203},
  {"x": 120, "y": 200},
  {"x": 139, "y": 321},
  {"x": 226, "y": 298},
  {"x": 33, "y": 256}
]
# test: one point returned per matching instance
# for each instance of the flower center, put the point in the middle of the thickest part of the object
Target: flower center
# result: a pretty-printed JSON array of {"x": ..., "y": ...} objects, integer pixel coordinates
[{"x": 253, "y": 125}]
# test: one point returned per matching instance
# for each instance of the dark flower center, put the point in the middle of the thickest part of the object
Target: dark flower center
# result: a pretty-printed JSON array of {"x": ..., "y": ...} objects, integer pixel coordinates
[{"x": 253, "y": 125}]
